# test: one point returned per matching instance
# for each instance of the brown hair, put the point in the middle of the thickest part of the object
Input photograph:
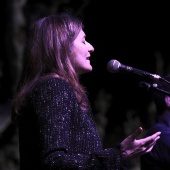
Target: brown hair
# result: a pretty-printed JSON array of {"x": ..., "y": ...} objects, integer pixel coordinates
[{"x": 48, "y": 52}]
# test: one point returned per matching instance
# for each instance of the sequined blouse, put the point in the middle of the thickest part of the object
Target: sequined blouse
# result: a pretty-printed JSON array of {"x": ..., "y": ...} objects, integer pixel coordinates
[{"x": 54, "y": 133}]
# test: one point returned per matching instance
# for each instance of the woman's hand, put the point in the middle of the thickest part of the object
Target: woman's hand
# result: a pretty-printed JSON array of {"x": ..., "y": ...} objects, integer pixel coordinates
[{"x": 132, "y": 148}]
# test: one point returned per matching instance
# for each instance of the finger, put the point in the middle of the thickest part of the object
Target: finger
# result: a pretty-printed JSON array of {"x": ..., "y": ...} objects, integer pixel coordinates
[
  {"x": 158, "y": 137},
  {"x": 151, "y": 139},
  {"x": 156, "y": 134},
  {"x": 149, "y": 149},
  {"x": 150, "y": 145},
  {"x": 136, "y": 133}
]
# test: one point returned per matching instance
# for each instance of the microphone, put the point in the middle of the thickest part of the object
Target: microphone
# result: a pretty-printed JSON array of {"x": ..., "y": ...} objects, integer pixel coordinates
[{"x": 114, "y": 66}]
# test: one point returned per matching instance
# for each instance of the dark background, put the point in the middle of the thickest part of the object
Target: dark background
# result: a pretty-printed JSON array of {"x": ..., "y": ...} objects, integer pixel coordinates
[{"x": 136, "y": 34}]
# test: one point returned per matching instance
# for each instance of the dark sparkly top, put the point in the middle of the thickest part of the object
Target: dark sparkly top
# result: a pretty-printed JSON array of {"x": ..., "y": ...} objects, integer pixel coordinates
[{"x": 54, "y": 133}]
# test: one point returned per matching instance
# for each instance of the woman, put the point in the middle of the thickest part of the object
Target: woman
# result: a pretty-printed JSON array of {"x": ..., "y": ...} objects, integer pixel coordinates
[{"x": 56, "y": 126}]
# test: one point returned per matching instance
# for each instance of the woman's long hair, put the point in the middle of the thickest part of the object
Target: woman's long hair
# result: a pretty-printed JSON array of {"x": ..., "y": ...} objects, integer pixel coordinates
[{"x": 49, "y": 52}]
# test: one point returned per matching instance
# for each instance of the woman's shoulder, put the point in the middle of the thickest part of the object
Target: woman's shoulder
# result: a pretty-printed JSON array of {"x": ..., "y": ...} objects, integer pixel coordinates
[
  {"x": 52, "y": 82},
  {"x": 51, "y": 86}
]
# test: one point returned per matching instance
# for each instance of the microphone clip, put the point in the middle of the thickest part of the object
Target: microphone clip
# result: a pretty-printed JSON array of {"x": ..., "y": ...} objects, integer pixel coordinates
[
  {"x": 153, "y": 87},
  {"x": 148, "y": 85}
]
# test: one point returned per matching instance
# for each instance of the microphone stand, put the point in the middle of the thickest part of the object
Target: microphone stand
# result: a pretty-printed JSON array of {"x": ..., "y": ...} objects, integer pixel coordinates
[
  {"x": 154, "y": 87},
  {"x": 164, "y": 80}
]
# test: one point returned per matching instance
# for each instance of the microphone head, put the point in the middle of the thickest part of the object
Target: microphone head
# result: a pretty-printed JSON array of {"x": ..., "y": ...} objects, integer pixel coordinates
[{"x": 113, "y": 66}]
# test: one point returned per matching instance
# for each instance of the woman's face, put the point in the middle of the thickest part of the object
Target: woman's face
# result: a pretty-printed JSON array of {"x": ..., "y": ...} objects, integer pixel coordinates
[{"x": 81, "y": 53}]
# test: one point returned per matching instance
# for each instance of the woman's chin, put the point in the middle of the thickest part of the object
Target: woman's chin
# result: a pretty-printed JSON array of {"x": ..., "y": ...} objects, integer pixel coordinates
[{"x": 87, "y": 70}]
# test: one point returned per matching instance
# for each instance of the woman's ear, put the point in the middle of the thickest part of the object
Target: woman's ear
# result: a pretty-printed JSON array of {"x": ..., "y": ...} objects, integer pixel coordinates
[{"x": 167, "y": 100}]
